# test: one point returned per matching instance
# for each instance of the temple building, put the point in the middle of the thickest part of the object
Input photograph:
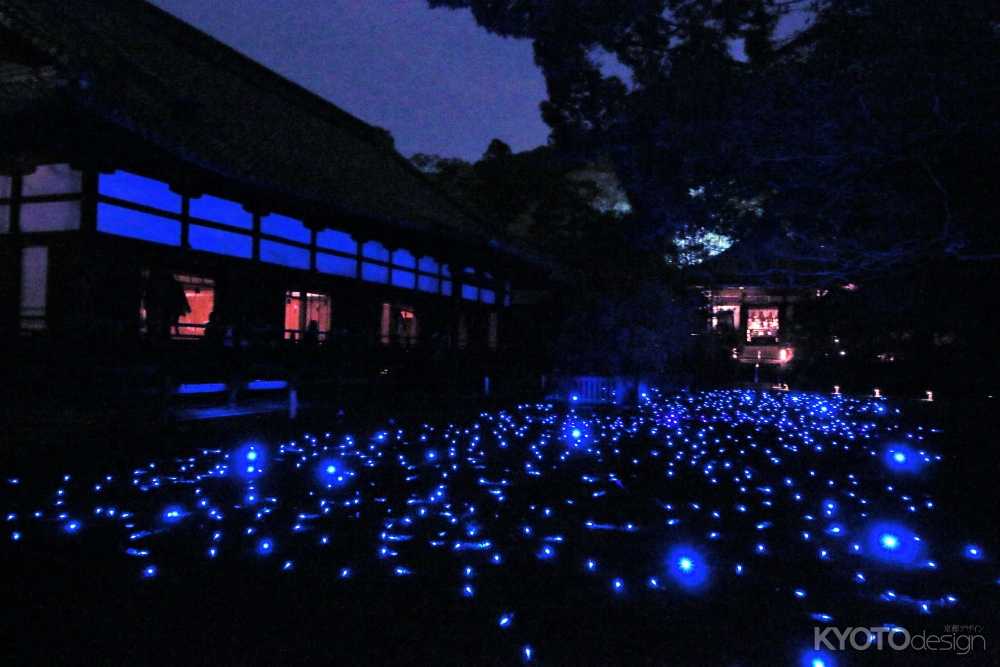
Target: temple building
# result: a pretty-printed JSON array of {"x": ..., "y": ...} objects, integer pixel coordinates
[
  {"x": 757, "y": 320},
  {"x": 749, "y": 307},
  {"x": 160, "y": 191}
]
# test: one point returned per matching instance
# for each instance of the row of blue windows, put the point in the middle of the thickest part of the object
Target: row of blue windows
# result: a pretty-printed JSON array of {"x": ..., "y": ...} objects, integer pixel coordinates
[{"x": 400, "y": 268}]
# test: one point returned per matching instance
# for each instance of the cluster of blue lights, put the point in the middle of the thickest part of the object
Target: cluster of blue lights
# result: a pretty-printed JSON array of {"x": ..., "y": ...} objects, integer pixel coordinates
[{"x": 692, "y": 494}]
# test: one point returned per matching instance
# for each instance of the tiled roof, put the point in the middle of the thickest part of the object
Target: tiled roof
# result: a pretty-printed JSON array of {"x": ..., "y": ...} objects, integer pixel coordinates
[{"x": 136, "y": 67}]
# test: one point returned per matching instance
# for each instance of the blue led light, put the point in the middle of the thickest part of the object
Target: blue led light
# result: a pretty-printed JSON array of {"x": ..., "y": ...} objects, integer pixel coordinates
[
  {"x": 900, "y": 458},
  {"x": 814, "y": 658},
  {"x": 687, "y": 567},
  {"x": 265, "y": 546},
  {"x": 249, "y": 461},
  {"x": 333, "y": 473},
  {"x": 892, "y": 542},
  {"x": 172, "y": 514},
  {"x": 973, "y": 552}
]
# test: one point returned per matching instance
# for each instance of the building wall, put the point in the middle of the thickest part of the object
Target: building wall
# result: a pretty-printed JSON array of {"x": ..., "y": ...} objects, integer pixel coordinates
[
  {"x": 749, "y": 346},
  {"x": 100, "y": 240}
]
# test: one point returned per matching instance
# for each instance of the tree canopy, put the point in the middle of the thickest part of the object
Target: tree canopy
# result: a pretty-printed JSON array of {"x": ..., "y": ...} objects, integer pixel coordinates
[{"x": 864, "y": 142}]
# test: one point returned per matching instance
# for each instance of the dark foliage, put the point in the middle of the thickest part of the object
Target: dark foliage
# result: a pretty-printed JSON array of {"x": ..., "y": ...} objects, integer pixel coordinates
[{"x": 867, "y": 140}]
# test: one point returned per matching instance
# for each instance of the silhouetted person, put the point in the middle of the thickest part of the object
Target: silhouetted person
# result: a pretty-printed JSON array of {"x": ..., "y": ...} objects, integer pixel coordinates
[
  {"x": 166, "y": 303},
  {"x": 311, "y": 336},
  {"x": 215, "y": 331}
]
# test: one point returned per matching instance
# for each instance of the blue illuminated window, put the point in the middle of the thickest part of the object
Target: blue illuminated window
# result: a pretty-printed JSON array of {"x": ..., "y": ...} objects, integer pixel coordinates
[
  {"x": 221, "y": 210},
  {"x": 139, "y": 189},
  {"x": 339, "y": 241},
  {"x": 404, "y": 258},
  {"x": 446, "y": 270},
  {"x": 470, "y": 292},
  {"x": 285, "y": 227},
  {"x": 335, "y": 264},
  {"x": 406, "y": 279},
  {"x": 427, "y": 283},
  {"x": 428, "y": 265},
  {"x": 219, "y": 241},
  {"x": 374, "y": 273},
  {"x": 375, "y": 250},
  {"x": 137, "y": 225},
  {"x": 279, "y": 253},
  {"x": 446, "y": 287},
  {"x": 487, "y": 296}
]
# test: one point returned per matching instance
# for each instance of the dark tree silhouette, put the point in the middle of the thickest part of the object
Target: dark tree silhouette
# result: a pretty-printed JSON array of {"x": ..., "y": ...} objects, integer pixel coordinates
[
  {"x": 558, "y": 205},
  {"x": 863, "y": 144}
]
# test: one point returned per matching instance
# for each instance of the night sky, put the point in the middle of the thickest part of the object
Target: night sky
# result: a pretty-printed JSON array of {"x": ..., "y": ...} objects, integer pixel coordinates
[{"x": 433, "y": 78}]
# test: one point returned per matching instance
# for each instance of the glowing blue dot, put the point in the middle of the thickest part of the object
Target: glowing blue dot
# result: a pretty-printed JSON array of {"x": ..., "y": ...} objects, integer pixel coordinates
[
  {"x": 889, "y": 541},
  {"x": 687, "y": 567},
  {"x": 505, "y": 620},
  {"x": 265, "y": 546},
  {"x": 814, "y": 658},
  {"x": 577, "y": 433},
  {"x": 149, "y": 572},
  {"x": 173, "y": 514},
  {"x": 617, "y": 585},
  {"x": 973, "y": 552}
]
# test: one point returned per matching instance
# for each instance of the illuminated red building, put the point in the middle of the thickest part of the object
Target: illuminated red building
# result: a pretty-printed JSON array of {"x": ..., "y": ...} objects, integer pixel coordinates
[{"x": 757, "y": 319}]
